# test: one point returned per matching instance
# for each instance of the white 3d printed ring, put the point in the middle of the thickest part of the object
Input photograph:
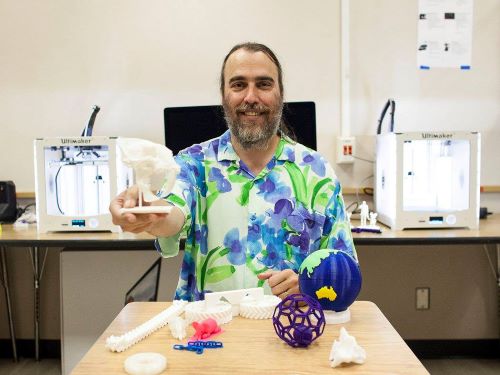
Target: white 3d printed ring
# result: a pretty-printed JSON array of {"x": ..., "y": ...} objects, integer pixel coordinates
[{"x": 145, "y": 364}]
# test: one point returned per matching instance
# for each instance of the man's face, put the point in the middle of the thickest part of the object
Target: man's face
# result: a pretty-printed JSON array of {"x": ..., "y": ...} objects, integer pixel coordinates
[{"x": 252, "y": 100}]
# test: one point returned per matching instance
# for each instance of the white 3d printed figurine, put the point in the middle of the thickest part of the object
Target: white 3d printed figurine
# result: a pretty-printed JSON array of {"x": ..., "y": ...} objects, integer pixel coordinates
[
  {"x": 153, "y": 165},
  {"x": 373, "y": 219},
  {"x": 364, "y": 213},
  {"x": 346, "y": 350},
  {"x": 177, "y": 327}
]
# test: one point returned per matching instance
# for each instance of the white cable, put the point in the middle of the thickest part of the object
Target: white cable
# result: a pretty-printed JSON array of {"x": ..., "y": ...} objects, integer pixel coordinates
[
  {"x": 359, "y": 186},
  {"x": 493, "y": 271},
  {"x": 123, "y": 342}
]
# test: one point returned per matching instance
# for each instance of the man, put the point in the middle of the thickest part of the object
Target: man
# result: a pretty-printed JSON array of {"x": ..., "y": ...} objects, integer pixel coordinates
[{"x": 252, "y": 203}]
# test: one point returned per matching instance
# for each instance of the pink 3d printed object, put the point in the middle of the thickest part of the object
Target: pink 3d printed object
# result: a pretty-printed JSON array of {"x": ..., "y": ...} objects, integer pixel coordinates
[{"x": 205, "y": 329}]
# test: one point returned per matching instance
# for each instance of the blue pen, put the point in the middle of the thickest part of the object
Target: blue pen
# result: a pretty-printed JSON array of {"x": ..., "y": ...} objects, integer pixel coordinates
[{"x": 369, "y": 230}]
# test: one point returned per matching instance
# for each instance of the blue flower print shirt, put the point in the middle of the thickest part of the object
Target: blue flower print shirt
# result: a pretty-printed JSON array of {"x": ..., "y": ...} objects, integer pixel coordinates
[{"x": 238, "y": 225}]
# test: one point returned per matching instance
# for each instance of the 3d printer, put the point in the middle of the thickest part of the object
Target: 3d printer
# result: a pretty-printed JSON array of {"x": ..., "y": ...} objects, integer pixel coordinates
[
  {"x": 427, "y": 179},
  {"x": 75, "y": 179}
]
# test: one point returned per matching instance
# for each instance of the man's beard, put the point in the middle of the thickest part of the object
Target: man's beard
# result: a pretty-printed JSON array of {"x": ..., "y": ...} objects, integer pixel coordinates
[{"x": 251, "y": 135}]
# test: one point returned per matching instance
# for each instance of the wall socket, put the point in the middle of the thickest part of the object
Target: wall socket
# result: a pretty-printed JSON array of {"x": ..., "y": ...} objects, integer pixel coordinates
[
  {"x": 422, "y": 298},
  {"x": 345, "y": 150}
]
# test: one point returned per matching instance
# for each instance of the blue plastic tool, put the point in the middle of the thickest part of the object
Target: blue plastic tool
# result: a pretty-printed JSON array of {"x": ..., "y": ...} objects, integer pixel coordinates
[
  {"x": 206, "y": 344},
  {"x": 191, "y": 348}
]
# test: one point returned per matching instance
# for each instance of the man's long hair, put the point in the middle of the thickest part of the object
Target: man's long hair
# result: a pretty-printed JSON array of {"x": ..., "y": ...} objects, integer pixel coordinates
[{"x": 257, "y": 47}]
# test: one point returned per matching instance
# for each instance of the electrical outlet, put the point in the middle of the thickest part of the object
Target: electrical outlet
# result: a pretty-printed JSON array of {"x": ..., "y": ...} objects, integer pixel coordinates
[
  {"x": 345, "y": 150},
  {"x": 422, "y": 298}
]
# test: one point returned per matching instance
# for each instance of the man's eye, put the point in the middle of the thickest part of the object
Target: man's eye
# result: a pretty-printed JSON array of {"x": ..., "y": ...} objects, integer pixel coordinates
[
  {"x": 265, "y": 84},
  {"x": 237, "y": 85}
]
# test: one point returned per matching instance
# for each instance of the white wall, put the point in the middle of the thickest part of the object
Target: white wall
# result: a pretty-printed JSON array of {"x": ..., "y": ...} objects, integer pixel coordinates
[{"x": 133, "y": 58}]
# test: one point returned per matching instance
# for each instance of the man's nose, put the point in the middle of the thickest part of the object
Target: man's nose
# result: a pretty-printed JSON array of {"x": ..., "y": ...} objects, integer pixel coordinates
[{"x": 251, "y": 96}]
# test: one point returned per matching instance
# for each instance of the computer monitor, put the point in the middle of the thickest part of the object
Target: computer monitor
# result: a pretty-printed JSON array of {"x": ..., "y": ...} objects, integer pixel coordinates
[{"x": 185, "y": 126}]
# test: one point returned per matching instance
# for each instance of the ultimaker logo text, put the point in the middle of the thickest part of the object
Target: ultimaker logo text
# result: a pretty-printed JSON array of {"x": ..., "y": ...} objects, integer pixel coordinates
[
  {"x": 437, "y": 135},
  {"x": 75, "y": 141}
]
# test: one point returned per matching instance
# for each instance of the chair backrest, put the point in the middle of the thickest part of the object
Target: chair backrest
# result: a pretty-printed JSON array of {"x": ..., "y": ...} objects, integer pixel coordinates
[
  {"x": 185, "y": 126},
  {"x": 146, "y": 288}
]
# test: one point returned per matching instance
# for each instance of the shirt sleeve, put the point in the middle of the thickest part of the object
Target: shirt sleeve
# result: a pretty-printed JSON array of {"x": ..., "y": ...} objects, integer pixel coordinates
[
  {"x": 336, "y": 229},
  {"x": 182, "y": 196}
]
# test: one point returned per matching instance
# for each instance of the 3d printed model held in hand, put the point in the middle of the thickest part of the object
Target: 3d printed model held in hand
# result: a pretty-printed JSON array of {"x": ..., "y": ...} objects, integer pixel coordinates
[{"x": 153, "y": 166}]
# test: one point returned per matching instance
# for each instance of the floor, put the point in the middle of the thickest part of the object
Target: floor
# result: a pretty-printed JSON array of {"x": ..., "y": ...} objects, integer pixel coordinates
[
  {"x": 435, "y": 366},
  {"x": 457, "y": 366},
  {"x": 30, "y": 367}
]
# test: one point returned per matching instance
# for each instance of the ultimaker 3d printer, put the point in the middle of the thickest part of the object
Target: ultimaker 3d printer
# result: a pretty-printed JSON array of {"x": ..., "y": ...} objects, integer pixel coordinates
[
  {"x": 428, "y": 179},
  {"x": 75, "y": 179}
]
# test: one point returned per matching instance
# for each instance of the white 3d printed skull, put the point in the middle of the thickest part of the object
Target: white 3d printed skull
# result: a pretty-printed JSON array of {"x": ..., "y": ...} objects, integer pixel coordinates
[
  {"x": 346, "y": 350},
  {"x": 153, "y": 164}
]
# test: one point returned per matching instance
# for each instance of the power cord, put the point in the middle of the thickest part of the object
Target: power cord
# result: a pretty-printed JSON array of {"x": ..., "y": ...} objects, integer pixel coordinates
[
  {"x": 363, "y": 159},
  {"x": 365, "y": 190}
]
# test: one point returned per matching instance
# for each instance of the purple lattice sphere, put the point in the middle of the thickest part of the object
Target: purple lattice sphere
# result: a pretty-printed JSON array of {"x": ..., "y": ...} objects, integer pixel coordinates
[{"x": 298, "y": 320}]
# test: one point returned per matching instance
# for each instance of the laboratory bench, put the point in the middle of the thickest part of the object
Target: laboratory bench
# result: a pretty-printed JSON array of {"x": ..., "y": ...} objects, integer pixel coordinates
[
  {"x": 27, "y": 236},
  {"x": 252, "y": 347}
]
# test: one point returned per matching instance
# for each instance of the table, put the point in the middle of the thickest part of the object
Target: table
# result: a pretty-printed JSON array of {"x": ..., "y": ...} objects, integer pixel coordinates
[
  {"x": 28, "y": 236},
  {"x": 252, "y": 347},
  {"x": 488, "y": 233}
]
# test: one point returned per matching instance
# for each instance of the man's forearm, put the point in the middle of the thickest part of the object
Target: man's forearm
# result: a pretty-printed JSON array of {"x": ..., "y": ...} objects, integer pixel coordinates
[{"x": 170, "y": 225}]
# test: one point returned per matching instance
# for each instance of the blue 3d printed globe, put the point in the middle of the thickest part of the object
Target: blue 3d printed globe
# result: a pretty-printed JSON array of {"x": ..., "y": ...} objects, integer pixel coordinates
[{"x": 333, "y": 278}]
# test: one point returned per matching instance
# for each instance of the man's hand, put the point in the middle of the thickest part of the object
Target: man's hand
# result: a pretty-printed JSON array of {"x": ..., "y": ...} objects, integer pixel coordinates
[
  {"x": 131, "y": 222},
  {"x": 282, "y": 283}
]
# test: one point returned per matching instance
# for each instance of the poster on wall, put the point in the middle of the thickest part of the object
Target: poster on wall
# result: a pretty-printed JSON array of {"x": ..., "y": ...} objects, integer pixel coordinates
[{"x": 444, "y": 34}]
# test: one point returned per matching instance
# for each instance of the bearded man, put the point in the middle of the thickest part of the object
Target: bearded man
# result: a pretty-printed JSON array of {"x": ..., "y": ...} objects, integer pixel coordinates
[{"x": 252, "y": 203}]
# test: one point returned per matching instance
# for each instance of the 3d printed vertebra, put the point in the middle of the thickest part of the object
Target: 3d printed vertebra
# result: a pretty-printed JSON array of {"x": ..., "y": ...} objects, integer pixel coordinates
[{"x": 123, "y": 342}]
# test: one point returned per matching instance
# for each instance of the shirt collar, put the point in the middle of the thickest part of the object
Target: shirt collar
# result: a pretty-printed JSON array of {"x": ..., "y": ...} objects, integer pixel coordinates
[
  {"x": 226, "y": 150},
  {"x": 285, "y": 150}
]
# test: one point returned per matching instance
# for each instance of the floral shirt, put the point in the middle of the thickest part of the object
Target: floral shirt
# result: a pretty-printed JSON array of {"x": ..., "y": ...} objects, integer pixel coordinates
[{"x": 238, "y": 225}]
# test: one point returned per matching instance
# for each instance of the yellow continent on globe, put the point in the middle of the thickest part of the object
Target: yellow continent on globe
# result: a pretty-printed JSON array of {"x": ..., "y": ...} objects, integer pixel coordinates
[{"x": 326, "y": 292}]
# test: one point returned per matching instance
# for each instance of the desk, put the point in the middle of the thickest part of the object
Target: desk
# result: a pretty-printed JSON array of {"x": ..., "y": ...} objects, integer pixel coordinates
[
  {"x": 29, "y": 237},
  {"x": 252, "y": 347},
  {"x": 488, "y": 233}
]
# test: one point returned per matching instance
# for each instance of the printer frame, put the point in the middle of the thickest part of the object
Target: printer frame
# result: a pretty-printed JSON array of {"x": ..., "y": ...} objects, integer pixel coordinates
[
  {"x": 119, "y": 178},
  {"x": 389, "y": 184}
]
